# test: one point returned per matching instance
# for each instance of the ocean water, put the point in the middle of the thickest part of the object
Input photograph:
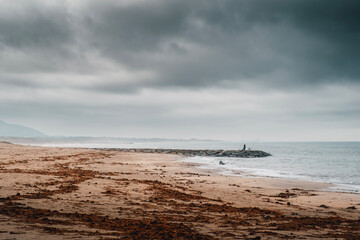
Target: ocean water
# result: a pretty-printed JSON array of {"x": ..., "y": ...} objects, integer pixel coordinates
[
  {"x": 335, "y": 162},
  {"x": 329, "y": 162}
]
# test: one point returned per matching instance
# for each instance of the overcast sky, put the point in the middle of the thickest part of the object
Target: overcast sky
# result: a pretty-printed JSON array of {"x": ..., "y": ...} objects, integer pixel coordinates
[{"x": 273, "y": 70}]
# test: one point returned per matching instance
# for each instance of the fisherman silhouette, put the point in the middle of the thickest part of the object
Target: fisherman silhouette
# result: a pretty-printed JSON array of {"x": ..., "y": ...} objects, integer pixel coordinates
[{"x": 244, "y": 148}]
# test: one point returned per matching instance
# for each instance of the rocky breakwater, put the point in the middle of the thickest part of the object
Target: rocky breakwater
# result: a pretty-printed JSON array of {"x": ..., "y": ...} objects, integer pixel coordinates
[{"x": 191, "y": 153}]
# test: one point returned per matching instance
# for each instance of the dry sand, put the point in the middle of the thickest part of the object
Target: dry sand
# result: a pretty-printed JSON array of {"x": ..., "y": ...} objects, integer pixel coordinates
[{"x": 64, "y": 193}]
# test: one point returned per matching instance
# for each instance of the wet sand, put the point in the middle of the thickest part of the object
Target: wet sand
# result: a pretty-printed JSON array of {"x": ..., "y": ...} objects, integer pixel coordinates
[{"x": 64, "y": 193}]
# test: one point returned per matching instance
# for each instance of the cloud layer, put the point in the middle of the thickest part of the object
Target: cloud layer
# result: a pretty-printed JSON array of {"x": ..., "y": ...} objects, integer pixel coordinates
[{"x": 170, "y": 68}]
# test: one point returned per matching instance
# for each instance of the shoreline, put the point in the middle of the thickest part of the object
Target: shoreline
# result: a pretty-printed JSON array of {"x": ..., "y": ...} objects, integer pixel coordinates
[
  {"x": 62, "y": 193},
  {"x": 188, "y": 153},
  {"x": 327, "y": 186}
]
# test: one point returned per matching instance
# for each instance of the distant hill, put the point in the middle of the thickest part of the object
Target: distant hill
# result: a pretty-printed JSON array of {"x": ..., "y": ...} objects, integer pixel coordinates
[{"x": 15, "y": 130}]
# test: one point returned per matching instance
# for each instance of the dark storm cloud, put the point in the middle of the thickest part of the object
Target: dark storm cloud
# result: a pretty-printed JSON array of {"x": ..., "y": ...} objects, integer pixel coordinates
[
  {"x": 26, "y": 25},
  {"x": 200, "y": 43},
  {"x": 135, "y": 28},
  {"x": 186, "y": 43}
]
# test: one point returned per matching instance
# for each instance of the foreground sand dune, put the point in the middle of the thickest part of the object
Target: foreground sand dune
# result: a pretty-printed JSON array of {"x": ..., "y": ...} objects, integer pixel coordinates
[{"x": 63, "y": 193}]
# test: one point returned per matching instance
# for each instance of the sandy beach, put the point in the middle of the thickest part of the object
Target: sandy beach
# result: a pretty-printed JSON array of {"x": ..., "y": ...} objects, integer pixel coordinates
[{"x": 67, "y": 193}]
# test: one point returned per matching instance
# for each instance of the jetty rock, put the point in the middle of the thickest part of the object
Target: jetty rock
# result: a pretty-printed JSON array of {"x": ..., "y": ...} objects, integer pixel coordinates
[{"x": 192, "y": 153}]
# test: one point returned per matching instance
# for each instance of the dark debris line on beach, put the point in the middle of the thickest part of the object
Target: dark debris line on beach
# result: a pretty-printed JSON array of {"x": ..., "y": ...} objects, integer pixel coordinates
[
  {"x": 191, "y": 152},
  {"x": 142, "y": 227}
]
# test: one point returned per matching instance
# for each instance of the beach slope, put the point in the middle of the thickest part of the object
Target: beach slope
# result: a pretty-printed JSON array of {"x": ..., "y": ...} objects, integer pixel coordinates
[{"x": 65, "y": 193}]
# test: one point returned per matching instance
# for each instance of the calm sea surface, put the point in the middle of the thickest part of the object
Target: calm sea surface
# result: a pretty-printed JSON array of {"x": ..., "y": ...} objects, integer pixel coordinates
[{"x": 330, "y": 162}]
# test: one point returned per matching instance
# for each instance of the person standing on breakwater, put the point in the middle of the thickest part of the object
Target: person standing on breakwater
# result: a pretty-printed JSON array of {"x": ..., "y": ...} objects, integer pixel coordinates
[{"x": 244, "y": 148}]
